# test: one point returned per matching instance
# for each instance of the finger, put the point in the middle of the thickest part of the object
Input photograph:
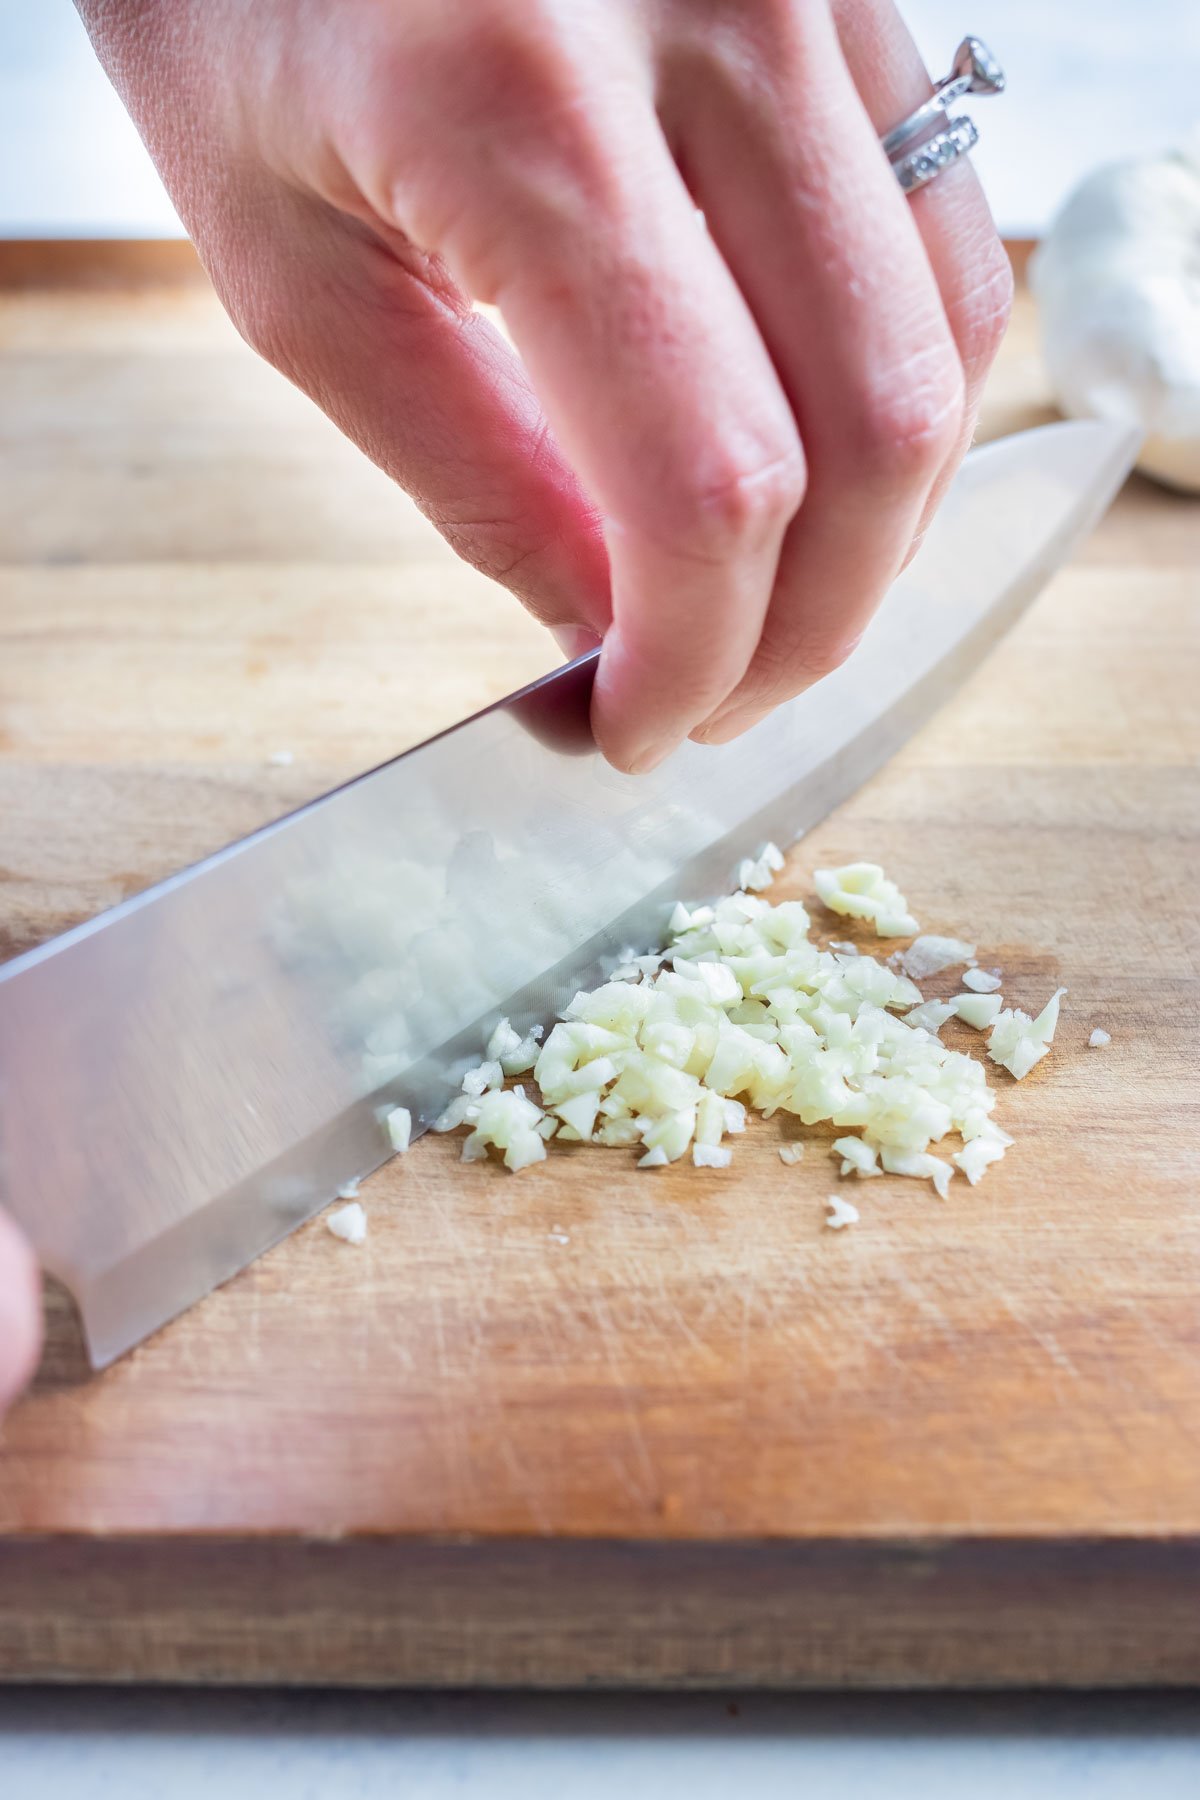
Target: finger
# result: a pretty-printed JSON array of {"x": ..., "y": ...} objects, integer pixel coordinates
[
  {"x": 20, "y": 1312},
  {"x": 381, "y": 338},
  {"x": 952, "y": 215},
  {"x": 661, "y": 392},
  {"x": 799, "y": 196}
]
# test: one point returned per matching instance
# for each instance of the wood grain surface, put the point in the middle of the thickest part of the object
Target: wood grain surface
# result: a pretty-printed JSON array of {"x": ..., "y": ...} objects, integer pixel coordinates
[{"x": 593, "y": 1424}]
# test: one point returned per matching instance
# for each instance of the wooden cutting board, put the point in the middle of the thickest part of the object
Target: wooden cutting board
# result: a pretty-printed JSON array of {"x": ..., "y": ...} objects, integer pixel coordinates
[{"x": 594, "y": 1425}]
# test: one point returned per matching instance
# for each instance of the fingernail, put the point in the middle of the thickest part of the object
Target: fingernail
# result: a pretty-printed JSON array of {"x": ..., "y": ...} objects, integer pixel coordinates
[
  {"x": 729, "y": 726},
  {"x": 651, "y": 755}
]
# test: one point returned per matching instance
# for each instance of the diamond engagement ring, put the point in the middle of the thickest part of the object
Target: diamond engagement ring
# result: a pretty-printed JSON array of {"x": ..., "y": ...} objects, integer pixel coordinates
[{"x": 928, "y": 140}]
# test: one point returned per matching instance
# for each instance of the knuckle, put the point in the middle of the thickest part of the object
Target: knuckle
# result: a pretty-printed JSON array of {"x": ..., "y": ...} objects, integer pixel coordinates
[
  {"x": 486, "y": 61},
  {"x": 513, "y": 97},
  {"x": 505, "y": 133},
  {"x": 908, "y": 428},
  {"x": 744, "y": 506}
]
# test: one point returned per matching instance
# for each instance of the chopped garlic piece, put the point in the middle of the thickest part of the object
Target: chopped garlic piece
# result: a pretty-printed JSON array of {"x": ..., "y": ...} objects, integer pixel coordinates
[
  {"x": 618, "y": 1131},
  {"x": 682, "y": 920},
  {"x": 981, "y": 981},
  {"x": 399, "y": 1128},
  {"x": 654, "y": 1159},
  {"x": 477, "y": 1081},
  {"x": 350, "y": 1190},
  {"x": 841, "y": 1213},
  {"x": 1099, "y": 1038},
  {"x": 843, "y": 947},
  {"x": 760, "y": 871},
  {"x": 711, "y": 1156},
  {"x": 791, "y": 1153},
  {"x": 931, "y": 1015},
  {"x": 1018, "y": 1042},
  {"x": 282, "y": 759},
  {"x": 503, "y": 1041},
  {"x": 459, "y": 1112},
  {"x": 863, "y": 891},
  {"x": 930, "y": 955},
  {"x": 348, "y": 1223},
  {"x": 529, "y": 1148},
  {"x": 920, "y": 1165},
  {"x": 514, "y": 1053},
  {"x": 979, "y": 1010},
  {"x": 579, "y": 1113},
  {"x": 974, "y": 1157},
  {"x": 671, "y": 1134},
  {"x": 856, "y": 1155},
  {"x": 710, "y": 1118},
  {"x": 509, "y": 1121}
]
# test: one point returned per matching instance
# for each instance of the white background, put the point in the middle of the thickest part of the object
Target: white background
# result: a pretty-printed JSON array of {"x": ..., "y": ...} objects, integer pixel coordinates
[
  {"x": 121, "y": 1745},
  {"x": 1089, "y": 80}
]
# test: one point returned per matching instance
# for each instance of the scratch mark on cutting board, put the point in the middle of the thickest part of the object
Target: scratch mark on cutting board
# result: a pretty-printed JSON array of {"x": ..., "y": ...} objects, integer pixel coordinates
[
  {"x": 674, "y": 1322},
  {"x": 612, "y": 1357},
  {"x": 439, "y": 1336},
  {"x": 1045, "y": 1339},
  {"x": 928, "y": 1308},
  {"x": 453, "y": 1414}
]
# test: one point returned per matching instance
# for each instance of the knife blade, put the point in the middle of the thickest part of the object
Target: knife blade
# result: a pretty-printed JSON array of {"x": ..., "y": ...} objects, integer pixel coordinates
[{"x": 191, "y": 1075}]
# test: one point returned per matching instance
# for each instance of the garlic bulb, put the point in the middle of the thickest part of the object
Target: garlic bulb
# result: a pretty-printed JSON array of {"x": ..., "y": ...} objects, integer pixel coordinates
[{"x": 1117, "y": 283}]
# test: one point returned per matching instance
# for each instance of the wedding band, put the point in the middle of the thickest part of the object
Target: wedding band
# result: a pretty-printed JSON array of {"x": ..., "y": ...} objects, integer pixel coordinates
[
  {"x": 927, "y": 141},
  {"x": 935, "y": 154}
]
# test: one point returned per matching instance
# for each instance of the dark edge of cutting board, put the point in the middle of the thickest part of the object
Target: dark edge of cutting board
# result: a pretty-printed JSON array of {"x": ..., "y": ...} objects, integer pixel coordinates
[{"x": 418, "y": 1612}]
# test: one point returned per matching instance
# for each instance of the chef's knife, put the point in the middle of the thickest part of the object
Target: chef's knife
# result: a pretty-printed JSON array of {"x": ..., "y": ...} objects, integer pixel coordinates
[{"x": 186, "y": 1078}]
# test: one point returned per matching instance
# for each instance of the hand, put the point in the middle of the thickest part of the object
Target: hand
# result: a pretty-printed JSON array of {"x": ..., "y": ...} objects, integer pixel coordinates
[
  {"x": 724, "y": 437},
  {"x": 20, "y": 1312}
]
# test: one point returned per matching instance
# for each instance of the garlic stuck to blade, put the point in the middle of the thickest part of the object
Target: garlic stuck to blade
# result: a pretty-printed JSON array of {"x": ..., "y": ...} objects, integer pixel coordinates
[
  {"x": 1117, "y": 285},
  {"x": 399, "y": 1129}
]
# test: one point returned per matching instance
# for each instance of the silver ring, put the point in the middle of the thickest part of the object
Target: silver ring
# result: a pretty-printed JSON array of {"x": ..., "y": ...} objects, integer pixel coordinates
[
  {"x": 935, "y": 154},
  {"x": 925, "y": 142}
]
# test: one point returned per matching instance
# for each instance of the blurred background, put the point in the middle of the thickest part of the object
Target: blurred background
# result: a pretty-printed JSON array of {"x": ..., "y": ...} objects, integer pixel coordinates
[{"x": 1088, "y": 82}]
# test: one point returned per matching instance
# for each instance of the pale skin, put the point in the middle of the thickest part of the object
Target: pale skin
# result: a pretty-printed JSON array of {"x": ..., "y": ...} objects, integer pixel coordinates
[{"x": 719, "y": 438}]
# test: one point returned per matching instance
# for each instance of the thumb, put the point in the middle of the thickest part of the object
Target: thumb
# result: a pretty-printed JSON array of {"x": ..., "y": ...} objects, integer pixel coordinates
[{"x": 20, "y": 1312}]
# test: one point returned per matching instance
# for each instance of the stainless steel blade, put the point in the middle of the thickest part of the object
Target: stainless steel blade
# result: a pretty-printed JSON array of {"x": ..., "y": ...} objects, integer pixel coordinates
[{"x": 191, "y": 1075}]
